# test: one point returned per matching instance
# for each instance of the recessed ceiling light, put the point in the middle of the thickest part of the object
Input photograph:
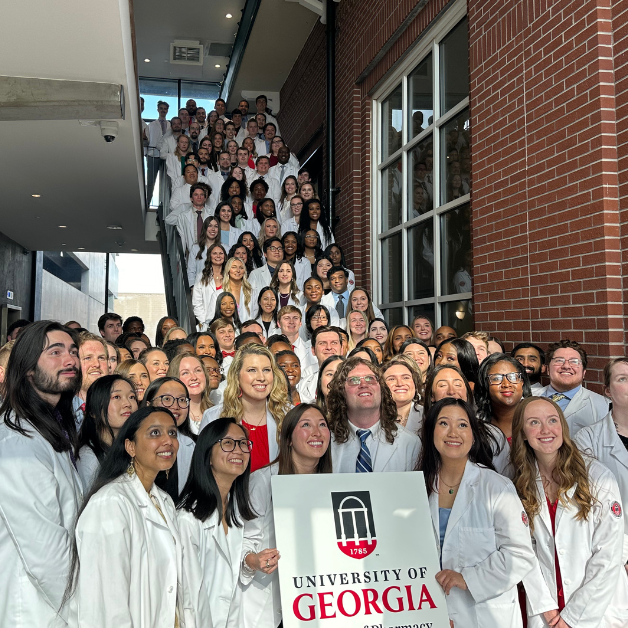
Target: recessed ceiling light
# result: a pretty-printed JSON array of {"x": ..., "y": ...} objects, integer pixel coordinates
[
  {"x": 217, "y": 65},
  {"x": 134, "y": 250},
  {"x": 146, "y": 60},
  {"x": 81, "y": 248},
  {"x": 63, "y": 244},
  {"x": 62, "y": 226},
  {"x": 229, "y": 16},
  {"x": 36, "y": 195},
  {"x": 115, "y": 227}
]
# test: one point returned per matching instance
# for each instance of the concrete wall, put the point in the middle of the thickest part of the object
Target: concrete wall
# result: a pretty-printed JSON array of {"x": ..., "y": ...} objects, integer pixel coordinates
[
  {"x": 149, "y": 307},
  {"x": 17, "y": 275}
]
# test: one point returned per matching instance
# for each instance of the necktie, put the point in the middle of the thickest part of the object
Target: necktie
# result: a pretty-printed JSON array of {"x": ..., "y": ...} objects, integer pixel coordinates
[
  {"x": 283, "y": 173},
  {"x": 556, "y": 397},
  {"x": 163, "y": 126},
  {"x": 199, "y": 223},
  {"x": 363, "y": 463},
  {"x": 195, "y": 146},
  {"x": 340, "y": 306}
]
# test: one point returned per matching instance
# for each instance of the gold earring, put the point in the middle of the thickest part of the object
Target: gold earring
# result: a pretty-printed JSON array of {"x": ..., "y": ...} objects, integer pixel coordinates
[{"x": 131, "y": 468}]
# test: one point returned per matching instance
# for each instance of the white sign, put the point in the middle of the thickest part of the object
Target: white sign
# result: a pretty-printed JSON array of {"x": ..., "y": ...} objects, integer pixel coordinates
[{"x": 357, "y": 551}]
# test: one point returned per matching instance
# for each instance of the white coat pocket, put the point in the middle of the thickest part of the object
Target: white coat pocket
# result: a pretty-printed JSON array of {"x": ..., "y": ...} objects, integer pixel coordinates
[{"x": 475, "y": 545}]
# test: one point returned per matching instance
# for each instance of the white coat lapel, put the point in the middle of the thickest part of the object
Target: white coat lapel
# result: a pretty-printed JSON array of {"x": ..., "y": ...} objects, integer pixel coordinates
[
  {"x": 466, "y": 493},
  {"x": 544, "y": 515},
  {"x": 610, "y": 436},
  {"x": 433, "y": 501},
  {"x": 579, "y": 400},
  {"x": 271, "y": 428},
  {"x": 385, "y": 450}
]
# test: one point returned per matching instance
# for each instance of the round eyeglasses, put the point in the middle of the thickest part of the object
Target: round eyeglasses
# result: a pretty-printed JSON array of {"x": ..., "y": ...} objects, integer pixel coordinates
[
  {"x": 229, "y": 444},
  {"x": 167, "y": 401}
]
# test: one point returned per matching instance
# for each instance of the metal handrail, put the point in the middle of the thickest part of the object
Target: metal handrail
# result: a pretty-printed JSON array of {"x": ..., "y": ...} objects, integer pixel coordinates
[{"x": 178, "y": 294}]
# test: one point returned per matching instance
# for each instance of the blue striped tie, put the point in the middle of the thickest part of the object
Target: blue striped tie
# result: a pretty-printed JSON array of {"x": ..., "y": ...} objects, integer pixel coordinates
[{"x": 363, "y": 463}]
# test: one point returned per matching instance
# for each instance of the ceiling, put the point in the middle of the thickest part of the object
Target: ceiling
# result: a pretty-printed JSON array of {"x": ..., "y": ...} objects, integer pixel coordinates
[
  {"x": 280, "y": 31},
  {"x": 83, "y": 182},
  {"x": 159, "y": 22}
]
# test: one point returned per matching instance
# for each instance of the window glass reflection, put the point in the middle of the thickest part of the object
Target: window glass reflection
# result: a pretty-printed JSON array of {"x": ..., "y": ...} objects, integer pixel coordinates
[
  {"x": 456, "y": 158},
  {"x": 421, "y": 184},
  {"x": 421, "y": 112},
  {"x": 454, "y": 62},
  {"x": 458, "y": 315},
  {"x": 392, "y": 121},
  {"x": 393, "y": 316},
  {"x": 391, "y": 196},
  {"x": 421, "y": 262},
  {"x": 456, "y": 253},
  {"x": 392, "y": 269}
]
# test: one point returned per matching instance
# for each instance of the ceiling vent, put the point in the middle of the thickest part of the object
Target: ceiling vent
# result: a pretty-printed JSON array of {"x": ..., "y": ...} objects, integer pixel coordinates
[
  {"x": 219, "y": 50},
  {"x": 186, "y": 53}
]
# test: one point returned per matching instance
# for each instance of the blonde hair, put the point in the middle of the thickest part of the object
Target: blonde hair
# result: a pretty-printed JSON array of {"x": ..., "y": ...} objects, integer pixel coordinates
[
  {"x": 177, "y": 153},
  {"x": 170, "y": 332},
  {"x": 570, "y": 469},
  {"x": 262, "y": 232},
  {"x": 173, "y": 371},
  {"x": 5, "y": 352},
  {"x": 478, "y": 335},
  {"x": 246, "y": 286},
  {"x": 278, "y": 403},
  {"x": 87, "y": 336},
  {"x": 352, "y": 342}
]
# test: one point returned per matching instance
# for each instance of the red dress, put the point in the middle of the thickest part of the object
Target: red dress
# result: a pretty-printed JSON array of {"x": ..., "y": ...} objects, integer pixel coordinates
[
  {"x": 560, "y": 593},
  {"x": 260, "y": 454}
]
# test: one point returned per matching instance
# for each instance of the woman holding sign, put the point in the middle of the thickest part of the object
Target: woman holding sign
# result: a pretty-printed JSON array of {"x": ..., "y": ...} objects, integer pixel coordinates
[
  {"x": 575, "y": 514},
  {"x": 480, "y": 525},
  {"x": 303, "y": 448}
]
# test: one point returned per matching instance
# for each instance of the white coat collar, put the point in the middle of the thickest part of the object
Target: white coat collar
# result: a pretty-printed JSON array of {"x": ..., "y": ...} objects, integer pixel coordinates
[
  {"x": 544, "y": 512},
  {"x": 145, "y": 504},
  {"x": 610, "y": 438}
]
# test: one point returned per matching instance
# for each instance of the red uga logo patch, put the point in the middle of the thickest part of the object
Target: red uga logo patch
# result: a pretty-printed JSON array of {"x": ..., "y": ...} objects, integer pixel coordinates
[
  {"x": 524, "y": 518},
  {"x": 616, "y": 509}
]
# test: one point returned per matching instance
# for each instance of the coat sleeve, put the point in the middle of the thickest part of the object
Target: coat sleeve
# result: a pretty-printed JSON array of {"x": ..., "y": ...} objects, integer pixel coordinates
[
  {"x": 538, "y": 596},
  {"x": 605, "y": 564},
  {"x": 30, "y": 509},
  {"x": 513, "y": 558},
  {"x": 197, "y": 300},
  {"x": 259, "y": 490},
  {"x": 195, "y": 598},
  {"x": 103, "y": 538}
]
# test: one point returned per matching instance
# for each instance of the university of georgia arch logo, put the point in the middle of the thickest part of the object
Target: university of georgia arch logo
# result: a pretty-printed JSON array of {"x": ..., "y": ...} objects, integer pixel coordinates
[{"x": 355, "y": 528}]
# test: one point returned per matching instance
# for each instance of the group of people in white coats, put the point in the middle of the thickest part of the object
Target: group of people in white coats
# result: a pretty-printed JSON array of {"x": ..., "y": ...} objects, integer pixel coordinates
[{"x": 141, "y": 522}]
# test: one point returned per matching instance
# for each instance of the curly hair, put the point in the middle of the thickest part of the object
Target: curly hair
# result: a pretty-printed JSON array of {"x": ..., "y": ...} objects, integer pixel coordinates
[
  {"x": 337, "y": 402},
  {"x": 570, "y": 469},
  {"x": 320, "y": 395},
  {"x": 417, "y": 378},
  {"x": 277, "y": 402},
  {"x": 246, "y": 286},
  {"x": 482, "y": 388},
  {"x": 566, "y": 343},
  {"x": 295, "y": 293},
  {"x": 208, "y": 268}
]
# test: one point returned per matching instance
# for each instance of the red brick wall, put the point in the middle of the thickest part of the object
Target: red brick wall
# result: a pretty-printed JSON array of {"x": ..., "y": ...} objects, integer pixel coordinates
[{"x": 549, "y": 107}]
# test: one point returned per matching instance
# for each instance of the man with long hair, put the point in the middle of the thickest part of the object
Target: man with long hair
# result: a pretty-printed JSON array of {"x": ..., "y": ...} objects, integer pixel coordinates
[
  {"x": 40, "y": 492},
  {"x": 363, "y": 420}
]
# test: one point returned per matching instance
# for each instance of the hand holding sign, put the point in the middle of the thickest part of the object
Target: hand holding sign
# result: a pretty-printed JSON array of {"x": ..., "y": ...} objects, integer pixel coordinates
[
  {"x": 448, "y": 579},
  {"x": 265, "y": 561}
]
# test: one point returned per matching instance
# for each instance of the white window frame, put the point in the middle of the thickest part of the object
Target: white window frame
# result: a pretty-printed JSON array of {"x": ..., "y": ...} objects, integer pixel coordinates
[{"x": 445, "y": 24}]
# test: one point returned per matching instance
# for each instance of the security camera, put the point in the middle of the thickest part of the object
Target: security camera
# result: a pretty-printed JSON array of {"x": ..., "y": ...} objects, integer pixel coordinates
[{"x": 109, "y": 130}]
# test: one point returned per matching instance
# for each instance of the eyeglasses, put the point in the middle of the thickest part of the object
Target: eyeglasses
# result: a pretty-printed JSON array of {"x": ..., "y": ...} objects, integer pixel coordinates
[
  {"x": 167, "y": 401},
  {"x": 275, "y": 249},
  {"x": 498, "y": 378},
  {"x": 356, "y": 381},
  {"x": 215, "y": 370},
  {"x": 229, "y": 444},
  {"x": 296, "y": 204},
  {"x": 318, "y": 317},
  {"x": 561, "y": 361},
  {"x": 311, "y": 236}
]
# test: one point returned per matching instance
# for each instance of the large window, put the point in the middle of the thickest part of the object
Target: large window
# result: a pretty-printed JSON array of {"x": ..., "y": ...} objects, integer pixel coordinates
[
  {"x": 422, "y": 182},
  {"x": 176, "y": 93}
]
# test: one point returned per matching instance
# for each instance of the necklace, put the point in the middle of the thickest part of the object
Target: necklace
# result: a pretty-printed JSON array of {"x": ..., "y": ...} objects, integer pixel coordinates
[
  {"x": 451, "y": 488},
  {"x": 254, "y": 426}
]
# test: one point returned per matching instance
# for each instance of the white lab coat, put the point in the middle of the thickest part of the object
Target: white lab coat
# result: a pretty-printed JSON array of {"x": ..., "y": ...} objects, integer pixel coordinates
[
  {"x": 167, "y": 144},
  {"x": 184, "y": 459},
  {"x": 586, "y": 408},
  {"x": 131, "y": 564},
  {"x": 328, "y": 301},
  {"x": 88, "y": 467},
  {"x": 203, "y": 298},
  {"x": 195, "y": 266},
  {"x": 173, "y": 168},
  {"x": 595, "y": 583},
  {"x": 333, "y": 315},
  {"x": 602, "y": 442},
  {"x": 274, "y": 189},
  {"x": 487, "y": 542},
  {"x": 271, "y": 426},
  {"x": 40, "y": 494},
  {"x": 415, "y": 420},
  {"x": 234, "y": 234},
  {"x": 260, "y": 278},
  {"x": 401, "y": 455},
  {"x": 290, "y": 170},
  {"x": 184, "y": 217},
  {"x": 261, "y": 603},
  {"x": 303, "y": 350},
  {"x": 307, "y": 387},
  {"x": 154, "y": 137},
  {"x": 273, "y": 328},
  {"x": 212, "y": 563}
]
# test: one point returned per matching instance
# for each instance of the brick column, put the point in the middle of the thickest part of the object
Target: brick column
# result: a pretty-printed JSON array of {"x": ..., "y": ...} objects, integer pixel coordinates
[{"x": 546, "y": 237}]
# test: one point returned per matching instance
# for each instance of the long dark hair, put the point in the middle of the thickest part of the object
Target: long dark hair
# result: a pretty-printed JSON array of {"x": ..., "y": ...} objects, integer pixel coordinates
[
  {"x": 113, "y": 465},
  {"x": 288, "y": 425},
  {"x": 217, "y": 215},
  {"x": 319, "y": 396},
  {"x": 193, "y": 340},
  {"x": 299, "y": 252},
  {"x": 429, "y": 384},
  {"x": 21, "y": 401},
  {"x": 467, "y": 358},
  {"x": 235, "y": 319},
  {"x": 430, "y": 461},
  {"x": 262, "y": 292},
  {"x": 201, "y": 495},
  {"x": 482, "y": 388},
  {"x": 96, "y": 420},
  {"x": 304, "y": 219},
  {"x": 159, "y": 337},
  {"x": 224, "y": 188},
  {"x": 314, "y": 309},
  {"x": 256, "y": 253}
]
